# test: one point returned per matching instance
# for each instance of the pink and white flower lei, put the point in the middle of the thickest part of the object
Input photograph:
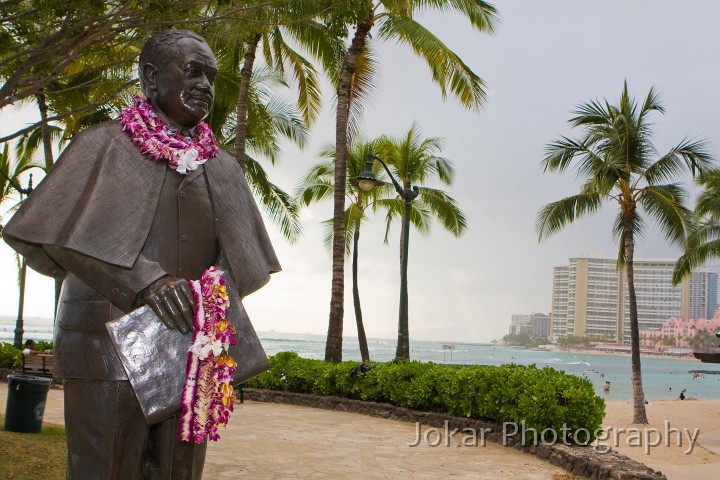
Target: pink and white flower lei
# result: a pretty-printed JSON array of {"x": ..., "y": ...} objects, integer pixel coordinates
[
  {"x": 163, "y": 142},
  {"x": 207, "y": 398}
]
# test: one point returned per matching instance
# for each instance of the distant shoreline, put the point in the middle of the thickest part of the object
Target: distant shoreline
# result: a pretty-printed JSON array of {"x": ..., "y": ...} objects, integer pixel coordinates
[{"x": 687, "y": 358}]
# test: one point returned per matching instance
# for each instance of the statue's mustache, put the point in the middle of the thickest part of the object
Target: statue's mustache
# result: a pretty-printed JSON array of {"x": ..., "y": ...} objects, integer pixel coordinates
[{"x": 207, "y": 98}]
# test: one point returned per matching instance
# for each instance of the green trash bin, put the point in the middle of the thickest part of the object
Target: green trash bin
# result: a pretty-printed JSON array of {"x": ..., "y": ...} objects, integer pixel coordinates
[{"x": 26, "y": 403}]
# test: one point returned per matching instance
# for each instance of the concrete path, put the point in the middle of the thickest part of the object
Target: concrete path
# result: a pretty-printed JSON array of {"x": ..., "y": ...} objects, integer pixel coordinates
[{"x": 275, "y": 441}]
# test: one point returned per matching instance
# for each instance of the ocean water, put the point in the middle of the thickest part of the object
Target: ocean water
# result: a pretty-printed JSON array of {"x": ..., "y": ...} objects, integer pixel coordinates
[
  {"x": 36, "y": 328},
  {"x": 663, "y": 379}
]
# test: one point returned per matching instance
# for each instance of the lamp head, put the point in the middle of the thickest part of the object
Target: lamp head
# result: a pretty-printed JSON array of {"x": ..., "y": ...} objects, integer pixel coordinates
[{"x": 366, "y": 181}]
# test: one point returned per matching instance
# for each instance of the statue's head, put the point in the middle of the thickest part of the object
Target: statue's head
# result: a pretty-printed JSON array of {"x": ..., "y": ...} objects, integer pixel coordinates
[{"x": 177, "y": 74}]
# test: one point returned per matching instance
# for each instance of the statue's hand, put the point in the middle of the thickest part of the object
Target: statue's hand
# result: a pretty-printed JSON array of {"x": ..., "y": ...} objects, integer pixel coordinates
[{"x": 171, "y": 299}]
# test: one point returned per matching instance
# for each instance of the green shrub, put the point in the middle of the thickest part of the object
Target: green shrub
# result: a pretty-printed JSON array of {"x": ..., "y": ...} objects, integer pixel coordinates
[
  {"x": 43, "y": 345},
  {"x": 10, "y": 357},
  {"x": 539, "y": 399}
]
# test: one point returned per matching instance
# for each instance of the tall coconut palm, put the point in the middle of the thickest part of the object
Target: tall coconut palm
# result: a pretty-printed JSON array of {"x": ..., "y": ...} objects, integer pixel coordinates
[
  {"x": 264, "y": 29},
  {"x": 416, "y": 161},
  {"x": 617, "y": 162},
  {"x": 394, "y": 22},
  {"x": 271, "y": 118},
  {"x": 317, "y": 185},
  {"x": 704, "y": 240}
]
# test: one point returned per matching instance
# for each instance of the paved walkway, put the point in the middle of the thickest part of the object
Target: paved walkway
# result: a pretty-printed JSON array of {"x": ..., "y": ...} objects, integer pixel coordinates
[{"x": 275, "y": 441}]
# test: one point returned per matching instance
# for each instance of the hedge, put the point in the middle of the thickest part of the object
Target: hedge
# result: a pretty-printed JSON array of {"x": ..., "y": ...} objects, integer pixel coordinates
[
  {"x": 10, "y": 357},
  {"x": 538, "y": 398}
]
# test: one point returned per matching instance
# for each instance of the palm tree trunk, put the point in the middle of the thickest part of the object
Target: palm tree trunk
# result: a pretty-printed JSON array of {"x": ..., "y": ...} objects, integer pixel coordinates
[
  {"x": 639, "y": 414},
  {"x": 333, "y": 346},
  {"x": 362, "y": 339},
  {"x": 242, "y": 101},
  {"x": 45, "y": 130},
  {"x": 49, "y": 161},
  {"x": 402, "y": 350}
]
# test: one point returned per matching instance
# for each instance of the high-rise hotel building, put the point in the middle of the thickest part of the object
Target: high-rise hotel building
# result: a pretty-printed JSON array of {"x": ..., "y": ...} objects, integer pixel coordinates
[{"x": 590, "y": 296}]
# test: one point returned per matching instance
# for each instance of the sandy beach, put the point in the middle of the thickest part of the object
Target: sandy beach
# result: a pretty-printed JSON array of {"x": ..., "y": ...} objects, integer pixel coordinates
[
  {"x": 665, "y": 443},
  {"x": 590, "y": 351}
]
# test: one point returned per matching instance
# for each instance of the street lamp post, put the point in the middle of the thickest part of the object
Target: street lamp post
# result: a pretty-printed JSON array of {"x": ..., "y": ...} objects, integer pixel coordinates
[
  {"x": 19, "y": 323},
  {"x": 367, "y": 181}
]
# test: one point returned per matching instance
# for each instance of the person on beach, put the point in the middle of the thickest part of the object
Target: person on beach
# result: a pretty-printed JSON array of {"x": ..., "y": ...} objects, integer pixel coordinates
[
  {"x": 606, "y": 387},
  {"x": 29, "y": 348},
  {"x": 131, "y": 211},
  {"x": 682, "y": 395}
]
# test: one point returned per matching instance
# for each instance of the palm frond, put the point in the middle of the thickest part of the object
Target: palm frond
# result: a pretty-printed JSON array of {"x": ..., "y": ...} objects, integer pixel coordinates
[
  {"x": 559, "y": 154},
  {"x": 651, "y": 104},
  {"x": 317, "y": 184},
  {"x": 691, "y": 156},
  {"x": 279, "y": 206},
  {"x": 328, "y": 49},
  {"x": 666, "y": 206},
  {"x": 420, "y": 217},
  {"x": 556, "y": 215},
  {"x": 694, "y": 258},
  {"x": 309, "y": 94},
  {"x": 708, "y": 202},
  {"x": 592, "y": 114},
  {"x": 364, "y": 86},
  {"x": 482, "y": 15},
  {"x": 394, "y": 209},
  {"x": 448, "y": 70},
  {"x": 445, "y": 209}
]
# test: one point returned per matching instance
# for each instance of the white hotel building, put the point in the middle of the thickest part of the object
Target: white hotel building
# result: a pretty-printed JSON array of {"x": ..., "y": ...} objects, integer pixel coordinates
[{"x": 590, "y": 297}]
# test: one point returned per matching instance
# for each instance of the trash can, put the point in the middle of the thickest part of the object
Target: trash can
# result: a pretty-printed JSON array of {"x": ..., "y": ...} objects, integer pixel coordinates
[{"x": 26, "y": 403}]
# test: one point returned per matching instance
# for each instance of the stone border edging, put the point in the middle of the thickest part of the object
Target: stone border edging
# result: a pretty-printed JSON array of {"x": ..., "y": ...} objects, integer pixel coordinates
[{"x": 582, "y": 461}]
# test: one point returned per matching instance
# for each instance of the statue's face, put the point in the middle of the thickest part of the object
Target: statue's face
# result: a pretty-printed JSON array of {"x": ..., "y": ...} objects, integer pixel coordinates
[{"x": 184, "y": 87}]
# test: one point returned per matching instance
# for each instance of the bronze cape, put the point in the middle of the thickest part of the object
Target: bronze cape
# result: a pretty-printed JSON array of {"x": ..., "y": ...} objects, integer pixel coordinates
[{"x": 101, "y": 200}]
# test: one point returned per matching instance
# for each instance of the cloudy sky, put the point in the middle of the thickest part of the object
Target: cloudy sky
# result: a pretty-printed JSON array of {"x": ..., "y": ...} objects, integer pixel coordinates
[{"x": 545, "y": 58}]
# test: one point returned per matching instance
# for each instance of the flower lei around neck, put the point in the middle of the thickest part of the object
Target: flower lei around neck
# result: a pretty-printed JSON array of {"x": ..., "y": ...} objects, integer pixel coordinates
[
  {"x": 207, "y": 398},
  {"x": 163, "y": 142}
]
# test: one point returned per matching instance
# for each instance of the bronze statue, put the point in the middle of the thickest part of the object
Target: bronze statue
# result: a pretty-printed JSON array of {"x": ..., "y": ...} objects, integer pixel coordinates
[{"x": 125, "y": 218}]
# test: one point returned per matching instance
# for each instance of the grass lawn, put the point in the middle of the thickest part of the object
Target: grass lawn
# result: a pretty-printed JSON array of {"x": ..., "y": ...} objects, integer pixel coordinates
[{"x": 33, "y": 456}]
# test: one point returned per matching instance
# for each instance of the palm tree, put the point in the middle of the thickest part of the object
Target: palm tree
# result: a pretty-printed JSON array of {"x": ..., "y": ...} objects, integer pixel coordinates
[
  {"x": 265, "y": 28},
  {"x": 394, "y": 22},
  {"x": 318, "y": 185},
  {"x": 416, "y": 160},
  {"x": 271, "y": 118},
  {"x": 616, "y": 160},
  {"x": 704, "y": 240},
  {"x": 10, "y": 187}
]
